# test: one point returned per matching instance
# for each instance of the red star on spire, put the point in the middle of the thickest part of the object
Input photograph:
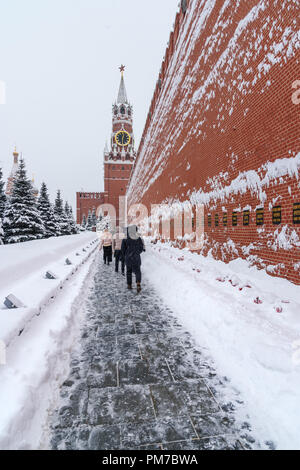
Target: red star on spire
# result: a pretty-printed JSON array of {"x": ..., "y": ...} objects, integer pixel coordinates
[{"x": 122, "y": 68}]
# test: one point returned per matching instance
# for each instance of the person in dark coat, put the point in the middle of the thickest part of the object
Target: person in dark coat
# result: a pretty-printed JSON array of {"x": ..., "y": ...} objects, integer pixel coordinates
[{"x": 132, "y": 248}]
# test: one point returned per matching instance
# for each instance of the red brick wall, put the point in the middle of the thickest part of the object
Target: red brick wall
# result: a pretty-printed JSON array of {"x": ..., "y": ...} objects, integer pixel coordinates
[{"x": 223, "y": 108}]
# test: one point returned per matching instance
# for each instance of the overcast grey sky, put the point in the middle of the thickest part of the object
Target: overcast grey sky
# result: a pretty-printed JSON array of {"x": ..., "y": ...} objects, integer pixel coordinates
[{"x": 60, "y": 59}]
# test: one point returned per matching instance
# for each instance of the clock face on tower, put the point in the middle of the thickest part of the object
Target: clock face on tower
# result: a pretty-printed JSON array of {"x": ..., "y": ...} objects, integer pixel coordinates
[{"x": 122, "y": 138}]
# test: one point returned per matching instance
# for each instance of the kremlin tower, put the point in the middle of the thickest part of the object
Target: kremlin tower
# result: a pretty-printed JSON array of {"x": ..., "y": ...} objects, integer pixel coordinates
[
  {"x": 119, "y": 158},
  {"x": 118, "y": 161}
]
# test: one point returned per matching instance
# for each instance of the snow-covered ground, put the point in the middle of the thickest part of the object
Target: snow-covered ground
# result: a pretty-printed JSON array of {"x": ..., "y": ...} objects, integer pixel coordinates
[
  {"x": 250, "y": 324},
  {"x": 22, "y": 273},
  {"x": 37, "y": 359},
  {"x": 247, "y": 321}
]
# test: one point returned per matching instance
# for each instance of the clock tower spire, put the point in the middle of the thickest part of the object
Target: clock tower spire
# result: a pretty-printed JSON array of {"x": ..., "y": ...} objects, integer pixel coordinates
[
  {"x": 122, "y": 96},
  {"x": 119, "y": 159}
]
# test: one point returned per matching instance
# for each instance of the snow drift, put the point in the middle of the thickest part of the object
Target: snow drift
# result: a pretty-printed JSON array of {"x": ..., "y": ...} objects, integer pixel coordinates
[
  {"x": 40, "y": 337},
  {"x": 250, "y": 324}
]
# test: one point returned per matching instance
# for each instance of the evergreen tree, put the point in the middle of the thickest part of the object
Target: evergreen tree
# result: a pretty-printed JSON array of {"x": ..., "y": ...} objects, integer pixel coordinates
[
  {"x": 1, "y": 233},
  {"x": 89, "y": 224},
  {"x": 103, "y": 223},
  {"x": 2, "y": 196},
  {"x": 81, "y": 228},
  {"x": 22, "y": 221},
  {"x": 61, "y": 217},
  {"x": 8, "y": 218},
  {"x": 72, "y": 224},
  {"x": 84, "y": 222},
  {"x": 47, "y": 213},
  {"x": 94, "y": 218}
]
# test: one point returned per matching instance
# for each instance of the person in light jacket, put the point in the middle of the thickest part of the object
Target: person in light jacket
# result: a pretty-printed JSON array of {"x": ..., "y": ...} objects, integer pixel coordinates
[
  {"x": 117, "y": 250},
  {"x": 106, "y": 244},
  {"x": 132, "y": 248}
]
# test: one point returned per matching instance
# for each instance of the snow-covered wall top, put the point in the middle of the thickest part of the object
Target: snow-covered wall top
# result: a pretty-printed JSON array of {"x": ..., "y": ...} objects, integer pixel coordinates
[{"x": 226, "y": 64}]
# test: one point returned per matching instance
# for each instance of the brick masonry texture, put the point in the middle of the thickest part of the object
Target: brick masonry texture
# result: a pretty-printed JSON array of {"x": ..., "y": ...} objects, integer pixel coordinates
[{"x": 223, "y": 128}]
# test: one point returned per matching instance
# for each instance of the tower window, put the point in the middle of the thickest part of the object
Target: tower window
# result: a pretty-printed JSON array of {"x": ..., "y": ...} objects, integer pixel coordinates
[
  {"x": 296, "y": 213},
  {"x": 217, "y": 220},
  {"x": 209, "y": 220},
  {"x": 246, "y": 218},
  {"x": 276, "y": 215},
  {"x": 225, "y": 219},
  {"x": 260, "y": 216},
  {"x": 122, "y": 110}
]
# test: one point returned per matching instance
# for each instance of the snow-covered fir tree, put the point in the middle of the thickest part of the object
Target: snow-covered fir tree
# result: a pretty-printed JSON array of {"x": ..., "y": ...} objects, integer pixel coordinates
[
  {"x": 69, "y": 213},
  {"x": 84, "y": 222},
  {"x": 22, "y": 221},
  {"x": 74, "y": 226},
  {"x": 47, "y": 213},
  {"x": 61, "y": 217},
  {"x": 89, "y": 224},
  {"x": 103, "y": 223},
  {"x": 1, "y": 233},
  {"x": 94, "y": 218},
  {"x": 2, "y": 195}
]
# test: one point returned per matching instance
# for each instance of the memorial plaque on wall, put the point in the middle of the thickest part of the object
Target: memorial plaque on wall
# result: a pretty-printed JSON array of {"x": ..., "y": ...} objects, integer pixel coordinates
[{"x": 276, "y": 215}]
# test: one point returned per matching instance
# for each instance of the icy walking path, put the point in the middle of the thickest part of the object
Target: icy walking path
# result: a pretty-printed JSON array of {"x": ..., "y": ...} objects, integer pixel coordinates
[{"x": 138, "y": 381}]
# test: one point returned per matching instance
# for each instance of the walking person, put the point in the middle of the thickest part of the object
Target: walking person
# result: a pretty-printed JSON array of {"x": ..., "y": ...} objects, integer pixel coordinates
[
  {"x": 106, "y": 244},
  {"x": 117, "y": 250},
  {"x": 132, "y": 248}
]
